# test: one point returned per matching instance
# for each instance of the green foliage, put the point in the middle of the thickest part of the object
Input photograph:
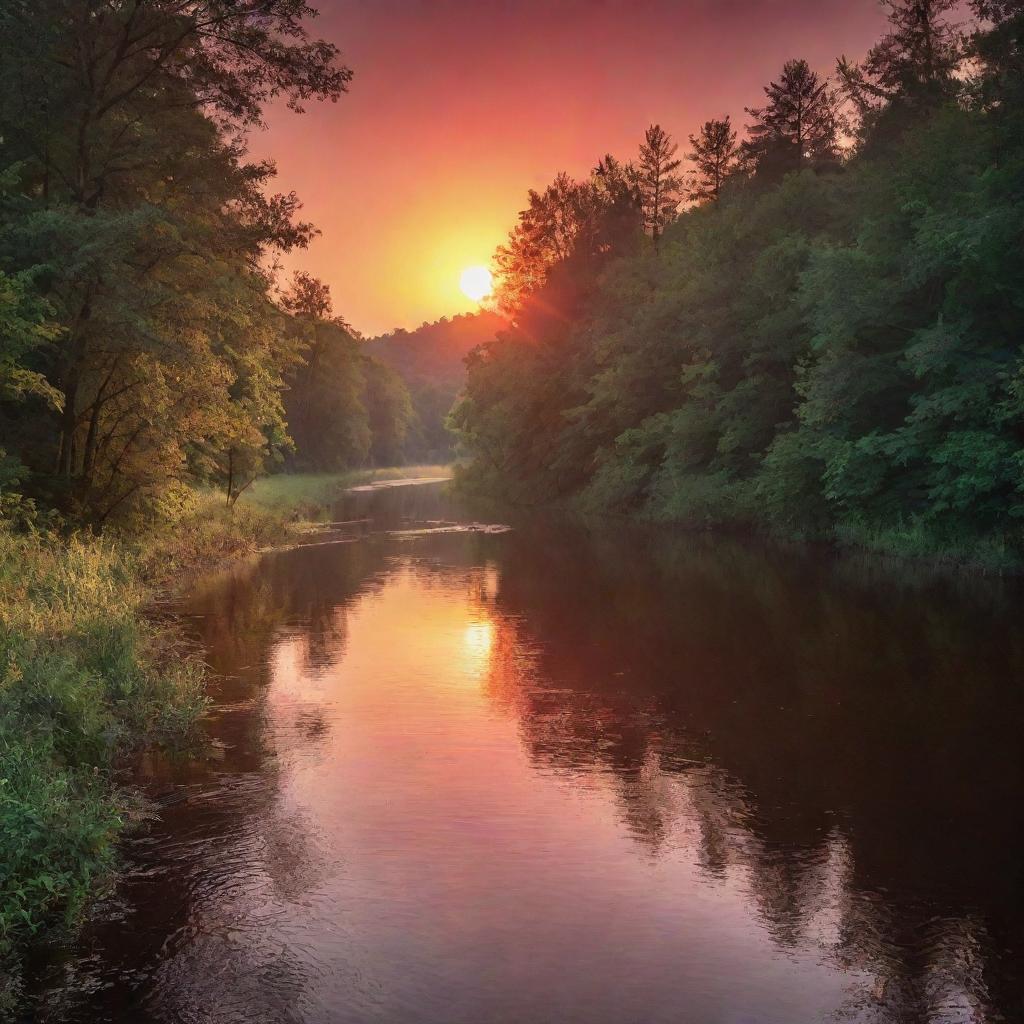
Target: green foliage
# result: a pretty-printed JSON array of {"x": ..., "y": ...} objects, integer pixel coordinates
[
  {"x": 835, "y": 351},
  {"x": 431, "y": 362},
  {"x": 86, "y": 674},
  {"x": 344, "y": 407},
  {"x": 139, "y": 343},
  {"x": 82, "y": 677}
]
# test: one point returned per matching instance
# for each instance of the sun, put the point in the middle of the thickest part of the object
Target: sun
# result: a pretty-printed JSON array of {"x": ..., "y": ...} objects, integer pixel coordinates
[{"x": 477, "y": 283}]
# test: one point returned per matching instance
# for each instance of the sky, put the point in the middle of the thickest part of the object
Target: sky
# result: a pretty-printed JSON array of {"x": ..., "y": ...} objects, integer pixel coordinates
[{"x": 458, "y": 107}]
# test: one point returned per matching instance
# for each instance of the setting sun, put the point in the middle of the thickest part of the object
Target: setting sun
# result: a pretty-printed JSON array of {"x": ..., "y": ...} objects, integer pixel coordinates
[{"x": 476, "y": 283}]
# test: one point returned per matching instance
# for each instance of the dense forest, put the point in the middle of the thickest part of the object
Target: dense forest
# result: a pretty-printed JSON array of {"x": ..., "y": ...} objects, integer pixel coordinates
[
  {"x": 431, "y": 362},
  {"x": 812, "y": 326},
  {"x": 145, "y": 342}
]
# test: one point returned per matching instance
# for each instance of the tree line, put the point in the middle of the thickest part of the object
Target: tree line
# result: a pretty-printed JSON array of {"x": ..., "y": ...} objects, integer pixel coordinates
[
  {"x": 145, "y": 342},
  {"x": 815, "y": 326},
  {"x": 431, "y": 362}
]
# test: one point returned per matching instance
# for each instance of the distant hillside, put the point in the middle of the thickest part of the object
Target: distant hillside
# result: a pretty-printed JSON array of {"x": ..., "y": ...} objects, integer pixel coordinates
[
  {"x": 434, "y": 353},
  {"x": 430, "y": 361}
]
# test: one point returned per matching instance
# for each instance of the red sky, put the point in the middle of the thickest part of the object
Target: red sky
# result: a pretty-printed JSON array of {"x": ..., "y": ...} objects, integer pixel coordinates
[{"x": 459, "y": 106}]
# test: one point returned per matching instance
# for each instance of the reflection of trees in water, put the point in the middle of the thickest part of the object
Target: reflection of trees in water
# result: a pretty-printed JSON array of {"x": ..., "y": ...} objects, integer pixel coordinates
[
  {"x": 210, "y": 886},
  {"x": 850, "y": 751},
  {"x": 853, "y": 748},
  {"x": 304, "y": 593}
]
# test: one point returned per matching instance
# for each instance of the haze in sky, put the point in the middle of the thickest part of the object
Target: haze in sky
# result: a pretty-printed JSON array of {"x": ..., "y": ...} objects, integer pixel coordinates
[{"x": 458, "y": 107}]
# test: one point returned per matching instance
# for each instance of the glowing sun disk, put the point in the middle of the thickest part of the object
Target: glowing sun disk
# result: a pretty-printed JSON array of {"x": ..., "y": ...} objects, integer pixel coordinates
[{"x": 476, "y": 283}]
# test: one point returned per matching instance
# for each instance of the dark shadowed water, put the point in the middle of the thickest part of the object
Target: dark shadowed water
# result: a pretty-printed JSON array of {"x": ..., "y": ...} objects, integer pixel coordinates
[{"x": 599, "y": 775}]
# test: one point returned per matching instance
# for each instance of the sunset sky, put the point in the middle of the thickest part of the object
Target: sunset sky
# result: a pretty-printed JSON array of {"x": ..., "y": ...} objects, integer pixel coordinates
[{"x": 459, "y": 106}]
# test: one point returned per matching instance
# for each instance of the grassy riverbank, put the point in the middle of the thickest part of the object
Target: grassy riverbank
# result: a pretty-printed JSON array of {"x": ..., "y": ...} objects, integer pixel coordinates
[
  {"x": 312, "y": 493},
  {"x": 89, "y": 671}
]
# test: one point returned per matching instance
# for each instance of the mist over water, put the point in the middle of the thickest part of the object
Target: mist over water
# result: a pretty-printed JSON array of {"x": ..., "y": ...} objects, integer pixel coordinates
[{"x": 580, "y": 773}]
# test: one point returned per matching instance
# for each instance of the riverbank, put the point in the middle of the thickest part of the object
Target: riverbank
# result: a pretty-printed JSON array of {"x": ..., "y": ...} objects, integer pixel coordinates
[
  {"x": 311, "y": 494},
  {"x": 89, "y": 670},
  {"x": 905, "y": 542}
]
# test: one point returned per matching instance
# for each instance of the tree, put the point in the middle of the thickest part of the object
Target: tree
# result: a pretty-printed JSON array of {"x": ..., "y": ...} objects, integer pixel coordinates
[
  {"x": 998, "y": 48},
  {"x": 343, "y": 407},
  {"x": 715, "y": 155},
  {"x": 826, "y": 354},
  {"x": 799, "y": 126},
  {"x": 308, "y": 299},
  {"x": 123, "y": 123},
  {"x": 389, "y": 412},
  {"x": 619, "y": 194},
  {"x": 24, "y": 328},
  {"x": 431, "y": 361},
  {"x": 914, "y": 64},
  {"x": 570, "y": 224},
  {"x": 659, "y": 184},
  {"x": 92, "y": 67}
]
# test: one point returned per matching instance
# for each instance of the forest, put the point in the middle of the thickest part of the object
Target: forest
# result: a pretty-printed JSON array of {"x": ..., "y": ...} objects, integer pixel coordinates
[
  {"x": 811, "y": 325},
  {"x": 147, "y": 341},
  {"x": 431, "y": 362},
  {"x": 149, "y": 352}
]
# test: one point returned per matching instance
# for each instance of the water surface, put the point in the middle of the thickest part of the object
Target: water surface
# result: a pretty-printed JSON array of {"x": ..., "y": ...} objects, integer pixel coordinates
[{"x": 576, "y": 773}]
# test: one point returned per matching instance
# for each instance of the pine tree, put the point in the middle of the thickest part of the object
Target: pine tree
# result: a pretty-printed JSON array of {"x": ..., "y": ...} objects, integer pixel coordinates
[
  {"x": 715, "y": 155},
  {"x": 914, "y": 63},
  {"x": 799, "y": 126},
  {"x": 659, "y": 183}
]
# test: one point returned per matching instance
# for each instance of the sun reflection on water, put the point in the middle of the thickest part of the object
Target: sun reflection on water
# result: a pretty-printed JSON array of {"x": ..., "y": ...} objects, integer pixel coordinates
[{"x": 477, "y": 641}]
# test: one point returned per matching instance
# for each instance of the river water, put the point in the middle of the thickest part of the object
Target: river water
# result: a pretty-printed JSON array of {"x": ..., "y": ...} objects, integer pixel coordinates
[{"x": 593, "y": 774}]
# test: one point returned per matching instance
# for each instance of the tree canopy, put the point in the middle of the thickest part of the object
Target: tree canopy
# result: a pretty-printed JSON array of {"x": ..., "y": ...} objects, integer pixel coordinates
[
  {"x": 144, "y": 341},
  {"x": 833, "y": 347}
]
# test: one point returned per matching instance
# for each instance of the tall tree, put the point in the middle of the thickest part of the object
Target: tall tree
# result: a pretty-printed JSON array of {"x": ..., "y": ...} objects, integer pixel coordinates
[
  {"x": 575, "y": 224},
  {"x": 998, "y": 47},
  {"x": 658, "y": 179},
  {"x": 798, "y": 127},
  {"x": 913, "y": 64},
  {"x": 617, "y": 188},
  {"x": 124, "y": 120},
  {"x": 715, "y": 155}
]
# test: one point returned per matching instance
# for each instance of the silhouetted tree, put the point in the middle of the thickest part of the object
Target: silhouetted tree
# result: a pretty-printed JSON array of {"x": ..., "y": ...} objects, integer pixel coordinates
[
  {"x": 660, "y": 185},
  {"x": 999, "y": 49},
  {"x": 308, "y": 298},
  {"x": 914, "y": 64},
  {"x": 715, "y": 155},
  {"x": 798, "y": 127},
  {"x": 622, "y": 219},
  {"x": 570, "y": 222}
]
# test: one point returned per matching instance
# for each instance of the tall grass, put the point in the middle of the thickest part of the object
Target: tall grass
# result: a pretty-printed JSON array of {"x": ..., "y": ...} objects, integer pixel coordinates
[
  {"x": 87, "y": 672},
  {"x": 83, "y": 676}
]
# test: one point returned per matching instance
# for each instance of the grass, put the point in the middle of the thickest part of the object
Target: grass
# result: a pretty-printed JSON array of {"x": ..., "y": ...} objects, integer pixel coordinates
[
  {"x": 84, "y": 675},
  {"x": 88, "y": 672},
  {"x": 311, "y": 494}
]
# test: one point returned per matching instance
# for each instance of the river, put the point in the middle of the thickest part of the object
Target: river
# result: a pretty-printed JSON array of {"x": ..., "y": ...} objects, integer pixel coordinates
[{"x": 580, "y": 773}]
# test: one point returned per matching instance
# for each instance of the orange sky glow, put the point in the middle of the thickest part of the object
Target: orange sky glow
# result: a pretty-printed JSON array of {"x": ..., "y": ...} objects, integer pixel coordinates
[{"x": 458, "y": 107}]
